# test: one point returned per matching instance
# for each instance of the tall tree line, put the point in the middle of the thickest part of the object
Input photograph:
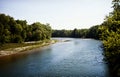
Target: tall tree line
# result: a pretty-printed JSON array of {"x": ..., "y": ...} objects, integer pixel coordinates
[{"x": 18, "y": 31}]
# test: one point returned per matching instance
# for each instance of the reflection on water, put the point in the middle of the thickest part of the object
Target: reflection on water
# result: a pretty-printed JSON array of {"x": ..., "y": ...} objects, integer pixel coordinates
[{"x": 74, "y": 58}]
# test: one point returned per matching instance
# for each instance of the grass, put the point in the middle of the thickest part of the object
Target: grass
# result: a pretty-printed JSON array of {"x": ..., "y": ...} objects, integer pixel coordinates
[
  {"x": 10, "y": 46},
  {"x": 13, "y": 48},
  {"x": 15, "y": 45}
]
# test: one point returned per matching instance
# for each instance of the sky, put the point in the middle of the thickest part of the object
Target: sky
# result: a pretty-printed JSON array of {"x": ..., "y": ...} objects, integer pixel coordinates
[{"x": 60, "y": 14}]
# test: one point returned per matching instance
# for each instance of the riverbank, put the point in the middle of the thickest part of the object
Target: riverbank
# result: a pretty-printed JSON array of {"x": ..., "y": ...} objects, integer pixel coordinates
[
  {"x": 58, "y": 60},
  {"x": 16, "y": 48}
]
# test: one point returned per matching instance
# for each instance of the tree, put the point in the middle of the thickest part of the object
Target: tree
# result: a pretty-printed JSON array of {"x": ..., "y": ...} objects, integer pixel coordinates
[
  {"x": 17, "y": 31},
  {"x": 110, "y": 29},
  {"x": 93, "y": 32},
  {"x": 38, "y": 31},
  {"x": 75, "y": 33}
]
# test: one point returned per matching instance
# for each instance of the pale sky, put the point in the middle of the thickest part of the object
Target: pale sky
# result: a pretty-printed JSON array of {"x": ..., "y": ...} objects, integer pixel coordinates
[{"x": 60, "y": 14}]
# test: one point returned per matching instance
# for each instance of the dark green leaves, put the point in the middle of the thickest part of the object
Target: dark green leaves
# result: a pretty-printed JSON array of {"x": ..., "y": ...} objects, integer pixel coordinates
[{"x": 17, "y": 31}]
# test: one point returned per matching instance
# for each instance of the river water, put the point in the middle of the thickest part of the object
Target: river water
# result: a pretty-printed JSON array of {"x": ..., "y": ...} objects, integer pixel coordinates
[{"x": 73, "y": 58}]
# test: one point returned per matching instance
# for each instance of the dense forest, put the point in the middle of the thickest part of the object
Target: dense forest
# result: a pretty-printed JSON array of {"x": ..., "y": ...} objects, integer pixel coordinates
[
  {"x": 93, "y": 32},
  {"x": 18, "y": 31},
  {"x": 108, "y": 32}
]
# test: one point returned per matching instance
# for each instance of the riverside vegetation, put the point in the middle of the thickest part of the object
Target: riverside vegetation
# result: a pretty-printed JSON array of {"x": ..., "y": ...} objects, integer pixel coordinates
[
  {"x": 15, "y": 33},
  {"x": 108, "y": 32},
  {"x": 111, "y": 38},
  {"x": 18, "y": 31}
]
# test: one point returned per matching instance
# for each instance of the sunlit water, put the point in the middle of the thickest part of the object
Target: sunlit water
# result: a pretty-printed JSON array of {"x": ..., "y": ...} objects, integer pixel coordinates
[{"x": 74, "y": 58}]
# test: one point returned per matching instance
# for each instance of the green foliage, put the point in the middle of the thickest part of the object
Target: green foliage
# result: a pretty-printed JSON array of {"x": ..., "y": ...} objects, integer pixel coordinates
[
  {"x": 93, "y": 32},
  {"x": 38, "y": 31},
  {"x": 75, "y": 33},
  {"x": 61, "y": 33},
  {"x": 17, "y": 31},
  {"x": 110, "y": 29},
  {"x": 17, "y": 39},
  {"x": 112, "y": 44}
]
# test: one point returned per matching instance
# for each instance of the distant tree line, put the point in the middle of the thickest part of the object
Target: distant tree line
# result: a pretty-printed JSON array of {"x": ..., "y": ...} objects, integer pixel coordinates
[
  {"x": 18, "y": 31},
  {"x": 93, "y": 32}
]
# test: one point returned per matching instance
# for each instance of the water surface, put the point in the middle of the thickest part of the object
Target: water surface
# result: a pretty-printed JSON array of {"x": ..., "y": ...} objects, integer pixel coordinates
[{"x": 74, "y": 58}]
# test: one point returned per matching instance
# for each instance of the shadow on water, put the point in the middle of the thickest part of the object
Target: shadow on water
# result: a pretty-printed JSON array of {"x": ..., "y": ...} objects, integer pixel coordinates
[{"x": 16, "y": 57}]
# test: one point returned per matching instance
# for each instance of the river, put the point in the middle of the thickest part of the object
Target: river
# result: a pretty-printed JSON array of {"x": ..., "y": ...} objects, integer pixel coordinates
[{"x": 72, "y": 58}]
